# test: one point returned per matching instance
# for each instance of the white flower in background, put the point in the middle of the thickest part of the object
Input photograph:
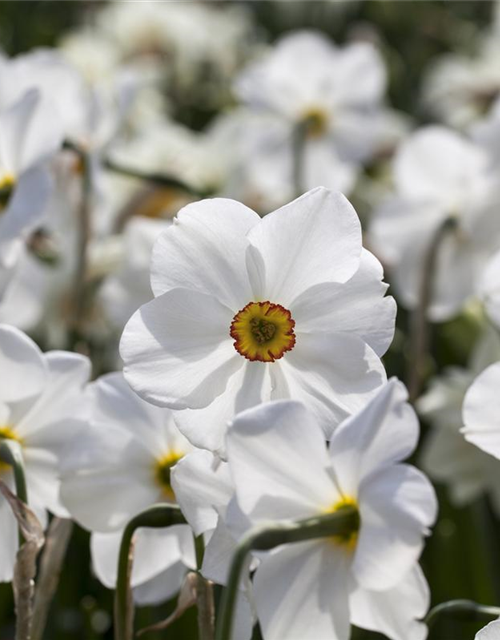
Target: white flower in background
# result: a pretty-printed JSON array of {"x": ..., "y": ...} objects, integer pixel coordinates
[
  {"x": 486, "y": 133},
  {"x": 283, "y": 471},
  {"x": 438, "y": 176},
  {"x": 125, "y": 290},
  {"x": 118, "y": 466},
  {"x": 481, "y": 411},
  {"x": 335, "y": 94},
  {"x": 460, "y": 89},
  {"x": 161, "y": 559},
  {"x": 41, "y": 408},
  {"x": 30, "y": 136},
  {"x": 489, "y": 289},
  {"x": 490, "y": 632},
  {"x": 446, "y": 455},
  {"x": 249, "y": 309}
]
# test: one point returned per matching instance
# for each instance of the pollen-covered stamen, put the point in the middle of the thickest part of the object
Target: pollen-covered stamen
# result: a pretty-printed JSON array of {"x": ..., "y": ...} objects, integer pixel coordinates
[
  {"x": 315, "y": 122},
  {"x": 263, "y": 331},
  {"x": 162, "y": 469}
]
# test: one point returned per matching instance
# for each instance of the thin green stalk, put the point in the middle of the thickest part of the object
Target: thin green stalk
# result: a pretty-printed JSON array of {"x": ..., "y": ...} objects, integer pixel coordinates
[
  {"x": 204, "y": 596},
  {"x": 156, "y": 517},
  {"x": 11, "y": 453},
  {"x": 419, "y": 325},
  {"x": 463, "y": 609},
  {"x": 340, "y": 523},
  {"x": 298, "y": 144}
]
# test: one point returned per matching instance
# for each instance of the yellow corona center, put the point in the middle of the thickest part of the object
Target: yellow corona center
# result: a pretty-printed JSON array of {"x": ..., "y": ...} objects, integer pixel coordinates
[
  {"x": 7, "y": 182},
  {"x": 8, "y": 433},
  {"x": 316, "y": 122},
  {"x": 263, "y": 331},
  {"x": 348, "y": 540},
  {"x": 162, "y": 468}
]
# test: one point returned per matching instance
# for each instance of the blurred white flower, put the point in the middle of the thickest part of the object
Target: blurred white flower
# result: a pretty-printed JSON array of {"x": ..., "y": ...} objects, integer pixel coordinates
[
  {"x": 334, "y": 94},
  {"x": 439, "y": 176},
  {"x": 460, "y": 89},
  {"x": 40, "y": 395},
  {"x": 119, "y": 465},
  {"x": 128, "y": 287},
  {"x": 481, "y": 411},
  {"x": 161, "y": 559},
  {"x": 283, "y": 471},
  {"x": 446, "y": 455},
  {"x": 249, "y": 309},
  {"x": 489, "y": 289}
]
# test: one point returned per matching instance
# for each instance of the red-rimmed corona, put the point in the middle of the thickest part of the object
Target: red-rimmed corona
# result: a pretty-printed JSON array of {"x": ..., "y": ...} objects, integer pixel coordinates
[{"x": 263, "y": 331}]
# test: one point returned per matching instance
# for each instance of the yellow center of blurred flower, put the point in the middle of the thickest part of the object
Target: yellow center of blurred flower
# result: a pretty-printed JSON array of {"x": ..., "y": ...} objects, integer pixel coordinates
[
  {"x": 162, "y": 468},
  {"x": 8, "y": 433},
  {"x": 7, "y": 182},
  {"x": 348, "y": 540},
  {"x": 263, "y": 331},
  {"x": 316, "y": 122}
]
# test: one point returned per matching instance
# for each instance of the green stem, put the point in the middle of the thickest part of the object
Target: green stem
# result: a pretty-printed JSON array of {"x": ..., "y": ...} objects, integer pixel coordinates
[
  {"x": 419, "y": 325},
  {"x": 466, "y": 609},
  {"x": 156, "y": 517},
  {"x": 11, "y": 453},
  {"x": 341, "y": 523},
  {"x": 204, "y": 597},
  {"x": 298, "y": 144},
  {"x": 158, "y": 179}
]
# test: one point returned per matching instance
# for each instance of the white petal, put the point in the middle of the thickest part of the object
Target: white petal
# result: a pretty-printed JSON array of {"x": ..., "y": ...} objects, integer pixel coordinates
[
  {"x": 201, "y": 483},
  {"x": 204, "y": 251},
  {"x": 162, "y": 587},
  {"x": 395, "y": 612},
  {"x": 278, "y": 460},
  {"x": 300, "y": 593},
  {"x": 23, "y": 371},
  {"x": 314, "y": 239},
  {"x": 490, "y": 632},
  {"x": 177, "y": 350},
  {"x": 396, "y": 505},
  {"x": 361, "y": 75},
  {"x": 385, "y": 431},
  {"x": 481, "y": 411},
  {"x": 155, "y": 551},
  {"x": 206, "y": 428},
  {"x": 334, "y": 374},
  {"x": 10, "y": 541},
  {"x": 436, "y": 162},
  {"x": 357, "y": 306}
]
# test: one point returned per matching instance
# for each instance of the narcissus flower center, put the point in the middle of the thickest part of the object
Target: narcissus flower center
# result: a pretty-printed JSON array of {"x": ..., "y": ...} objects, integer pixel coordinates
[
  {"x": 263, "y": 331},
  {"x": 7, "y": 433},
  {"x": 315, "y": 122},
  {"x": 349, "y": 539},
  {"x": 162, "y": 468},
  {"x": 7, "y": 182}
]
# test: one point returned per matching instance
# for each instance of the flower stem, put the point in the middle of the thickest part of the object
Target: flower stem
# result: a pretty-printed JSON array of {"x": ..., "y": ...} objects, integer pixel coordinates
[
  {"x": 11, "y": 453},
  {"x": 339, "y": 523},
  {"x": 204, "y": 597},
  {"x": 157, "y": 516},
  {"x": 419, "y": 326},
  {"x": 299, "y": 136},
  {"x": 158, "y": 179},
  {"x": 56, "y": 544},
  {"x": 465, "y": 609}
]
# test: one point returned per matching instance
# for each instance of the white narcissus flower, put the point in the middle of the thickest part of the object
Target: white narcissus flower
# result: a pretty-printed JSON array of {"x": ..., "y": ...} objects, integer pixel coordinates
[
  {"x": 250, "y": 309},
  {"x": 119, "y": 465},
  {"x": 335, "y": 93},
  {"x": 481, "y": 411},
  {"x": 439, "y": 175},
  {"x": 490, "y": 632},
  {"x": 446, "y": 455},
  {"x": 41, "y": 408},
  {"x": 283, "y": 471}
]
